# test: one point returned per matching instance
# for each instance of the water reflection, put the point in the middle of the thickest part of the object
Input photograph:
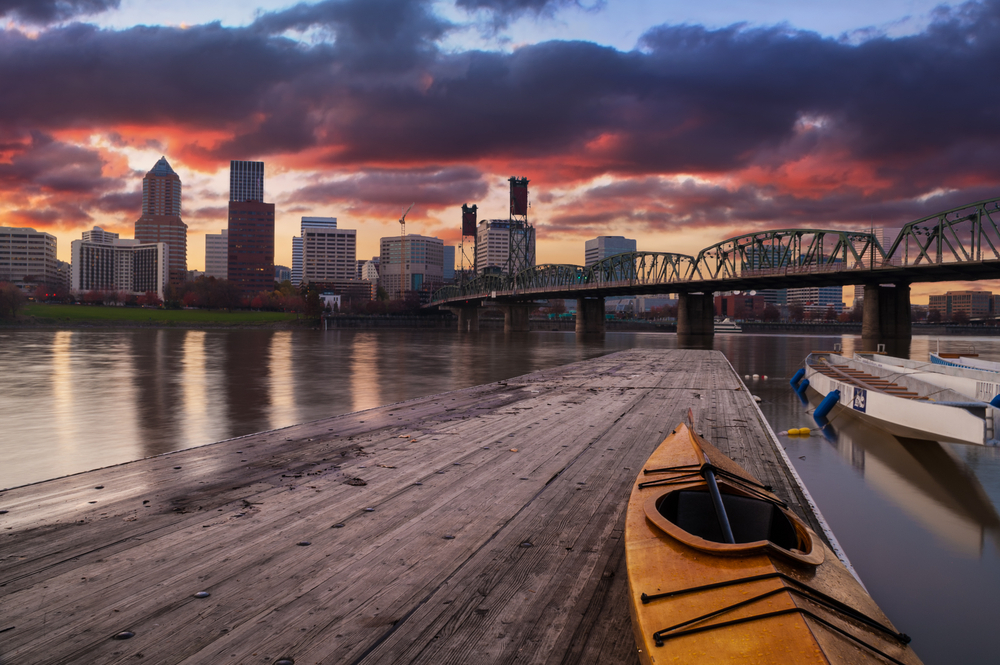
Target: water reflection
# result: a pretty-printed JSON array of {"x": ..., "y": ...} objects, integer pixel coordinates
[
  {"x": 925, "y": 479},
  {"x": 246, "y": 375},
  {"x": 78, "y": 400}
]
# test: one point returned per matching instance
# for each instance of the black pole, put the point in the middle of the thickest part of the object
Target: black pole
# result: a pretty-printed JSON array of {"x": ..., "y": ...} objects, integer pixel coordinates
[
  {"x": 720, "y": 509},
  {"x": 713, "y": 487}
]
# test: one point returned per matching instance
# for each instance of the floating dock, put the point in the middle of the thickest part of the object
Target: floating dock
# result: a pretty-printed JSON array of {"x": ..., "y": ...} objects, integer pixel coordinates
[{"x": 479, "y": 525}]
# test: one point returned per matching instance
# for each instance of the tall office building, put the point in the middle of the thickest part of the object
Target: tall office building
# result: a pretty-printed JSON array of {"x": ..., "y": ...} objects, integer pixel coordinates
[
  {"x": 250, "y": 263},
  {"x": 217, "y": 254},
  {"x": 328, "y": 253},
  {"x": 28, "y": 257},
  {"x": 161, "y": 217},
  {"x": 312, "y": 222},
  {"x": 493, "y": 245},
  {"x": 420, "y": 269},
  {"x": 246, "y": 181},
  {"x": 602, "y": 247}
]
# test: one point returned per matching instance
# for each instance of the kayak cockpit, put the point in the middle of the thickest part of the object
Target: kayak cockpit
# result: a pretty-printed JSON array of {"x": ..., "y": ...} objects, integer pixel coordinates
[
  {"x": 759, "y": 525},
  {"x": 752, "y": 519}
]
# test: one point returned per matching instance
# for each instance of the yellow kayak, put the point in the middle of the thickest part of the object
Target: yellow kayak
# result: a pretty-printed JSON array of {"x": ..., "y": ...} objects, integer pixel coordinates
[{"x": 732, "y": 576}]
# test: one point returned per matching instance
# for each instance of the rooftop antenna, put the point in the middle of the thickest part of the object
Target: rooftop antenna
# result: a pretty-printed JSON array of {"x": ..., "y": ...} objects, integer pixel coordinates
[{"x": 402, "y": 253}]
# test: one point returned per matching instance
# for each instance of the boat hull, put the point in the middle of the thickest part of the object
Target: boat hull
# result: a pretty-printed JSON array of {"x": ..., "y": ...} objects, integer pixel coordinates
[
  {"x": 660, "y": 565},
  {"x": 908, "y": 418}
]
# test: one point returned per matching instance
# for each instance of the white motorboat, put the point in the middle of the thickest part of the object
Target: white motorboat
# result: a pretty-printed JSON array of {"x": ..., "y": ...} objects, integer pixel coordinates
[
  {"x": 727, "y": 326},
  {"x": 977, "y": 384},
  {"x": 901, "y": 403}
]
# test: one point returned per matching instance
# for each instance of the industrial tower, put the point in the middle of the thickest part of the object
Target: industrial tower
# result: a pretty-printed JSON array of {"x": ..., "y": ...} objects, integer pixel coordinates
[{"x": 521, "y": 253}]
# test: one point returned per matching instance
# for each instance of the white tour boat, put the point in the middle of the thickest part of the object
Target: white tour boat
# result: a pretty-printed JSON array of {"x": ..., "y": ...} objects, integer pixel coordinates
[
  {"x": 901, "y": 403},
  {"x": 727, "y": 326}
]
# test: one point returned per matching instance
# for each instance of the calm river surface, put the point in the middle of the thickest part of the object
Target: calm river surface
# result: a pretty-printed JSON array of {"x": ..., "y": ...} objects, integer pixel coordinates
[{"x": 918, "y": 520}]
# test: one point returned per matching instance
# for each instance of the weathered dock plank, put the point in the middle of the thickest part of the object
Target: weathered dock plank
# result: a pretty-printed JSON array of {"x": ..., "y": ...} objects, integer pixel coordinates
[{"x": 484, "y": 523}]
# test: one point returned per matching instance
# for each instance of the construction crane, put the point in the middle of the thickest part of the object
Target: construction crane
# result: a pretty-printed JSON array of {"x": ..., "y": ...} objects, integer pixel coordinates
[{"x": 404, "y": 265}]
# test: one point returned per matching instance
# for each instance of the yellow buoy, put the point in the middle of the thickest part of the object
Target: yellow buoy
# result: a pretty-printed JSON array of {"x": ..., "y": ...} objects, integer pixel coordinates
[{"x": 804, "y": 431}]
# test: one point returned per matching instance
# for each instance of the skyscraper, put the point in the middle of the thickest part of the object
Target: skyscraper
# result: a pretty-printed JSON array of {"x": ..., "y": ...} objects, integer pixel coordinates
[
  {"x": 250, "y": 263},
  {"x": 161, "y": 217},
  {"x": 246, "y": 181}
]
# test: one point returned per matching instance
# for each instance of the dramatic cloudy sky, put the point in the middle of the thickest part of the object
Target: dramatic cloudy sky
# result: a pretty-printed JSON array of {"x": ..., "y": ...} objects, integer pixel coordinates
[{"x": 676, "y": 123}]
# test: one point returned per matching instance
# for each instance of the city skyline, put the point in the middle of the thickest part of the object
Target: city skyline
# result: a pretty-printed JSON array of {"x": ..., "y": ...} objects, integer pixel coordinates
[{"x": 677, "y": 126}]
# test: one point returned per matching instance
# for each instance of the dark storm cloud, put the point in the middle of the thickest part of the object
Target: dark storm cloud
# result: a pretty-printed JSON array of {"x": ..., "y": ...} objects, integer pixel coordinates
[
  {"x": 125, "y": 203},
  {"x": 44, "y": 164},
  {"x": 370, "y": 35},
  {"x": 502, "y": 12},
  {"x": 429, "y": 187},
  {"x": 917, "y": 113},
  {"x": 41, "y": 12},
  {"x": 207, "y": 75},
  {"x": 641, "y": 205}
]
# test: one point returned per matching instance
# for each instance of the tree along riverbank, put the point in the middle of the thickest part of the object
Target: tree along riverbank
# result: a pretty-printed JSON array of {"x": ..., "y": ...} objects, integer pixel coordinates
[{"x": 41, "y": 315}]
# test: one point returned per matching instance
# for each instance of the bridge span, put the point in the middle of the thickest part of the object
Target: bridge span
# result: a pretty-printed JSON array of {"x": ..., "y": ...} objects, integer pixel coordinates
[{"x": 959, "y": 244}]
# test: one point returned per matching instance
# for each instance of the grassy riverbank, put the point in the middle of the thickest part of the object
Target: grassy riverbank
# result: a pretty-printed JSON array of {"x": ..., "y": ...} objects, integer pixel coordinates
[{"x": 90, "y": 315}]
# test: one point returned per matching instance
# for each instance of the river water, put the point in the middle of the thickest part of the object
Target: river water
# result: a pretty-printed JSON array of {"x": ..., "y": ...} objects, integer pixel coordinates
[{"x": 918, "y": 520}]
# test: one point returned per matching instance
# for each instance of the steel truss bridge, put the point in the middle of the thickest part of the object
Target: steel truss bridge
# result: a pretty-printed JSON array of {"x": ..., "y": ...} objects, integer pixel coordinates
[{"x": 958, "y": 244}]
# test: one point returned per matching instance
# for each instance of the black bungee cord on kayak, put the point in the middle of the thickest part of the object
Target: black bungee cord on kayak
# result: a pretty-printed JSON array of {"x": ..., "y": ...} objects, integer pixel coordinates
[
  {"x": 688, "y": 472},
  {"x": 806, "y": 592}
]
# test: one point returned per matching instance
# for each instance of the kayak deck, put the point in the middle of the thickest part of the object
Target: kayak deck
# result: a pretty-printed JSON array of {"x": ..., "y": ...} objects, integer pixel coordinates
[{"x": 748, "y": 602}]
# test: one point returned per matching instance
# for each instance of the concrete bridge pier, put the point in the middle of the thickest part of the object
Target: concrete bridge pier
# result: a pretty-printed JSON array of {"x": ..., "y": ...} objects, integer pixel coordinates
[
  {"x": 695, "y": 314},
  {"x": 516, "y": 316},
  {"x": 589, "y": 315},
  {"x": 468, "y": 317},
  {"x": 886, "y": 317}
]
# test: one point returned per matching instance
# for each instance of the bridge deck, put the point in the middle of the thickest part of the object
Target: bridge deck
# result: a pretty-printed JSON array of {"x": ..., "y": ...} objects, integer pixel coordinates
[{"x": 482, "y": 524}]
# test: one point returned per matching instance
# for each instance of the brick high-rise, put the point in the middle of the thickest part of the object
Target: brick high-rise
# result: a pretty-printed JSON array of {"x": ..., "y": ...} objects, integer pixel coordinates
[
  {"x": 161, "y": 217},
  {"x": 251, "y": 229}
]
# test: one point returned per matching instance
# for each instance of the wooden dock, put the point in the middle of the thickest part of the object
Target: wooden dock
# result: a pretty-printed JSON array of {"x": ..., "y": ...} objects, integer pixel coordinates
[{"x": 481, "y": 525}]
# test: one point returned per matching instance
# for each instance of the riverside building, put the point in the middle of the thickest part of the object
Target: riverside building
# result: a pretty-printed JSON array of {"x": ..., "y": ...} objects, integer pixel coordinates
[
  {"x": 120, "y": 265},
  {"x": 161, "y": 217},
  {"x": 323, "y": 253},
  {"x": 28, "y": 258},
  {"x": 420, "y": 268}
]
